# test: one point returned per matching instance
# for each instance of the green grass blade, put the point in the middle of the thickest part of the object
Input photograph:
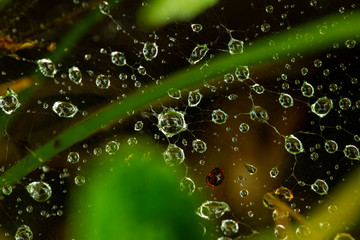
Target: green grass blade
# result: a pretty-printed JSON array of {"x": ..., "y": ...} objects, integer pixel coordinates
[
  {"x": 138, "y": 199},
  {"x": 161, "y": 12},
  {"x": 259, "y": 52}
]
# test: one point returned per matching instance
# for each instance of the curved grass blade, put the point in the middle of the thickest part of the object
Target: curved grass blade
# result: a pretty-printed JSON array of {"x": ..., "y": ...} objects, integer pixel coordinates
[{"x": 259, "y": 52}]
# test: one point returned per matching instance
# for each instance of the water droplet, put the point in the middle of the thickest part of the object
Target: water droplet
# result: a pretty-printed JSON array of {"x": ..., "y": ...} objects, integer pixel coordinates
[
  {"x": 280, "y": 215},
  {"x": 174, "y": 93},
  {"x": 343, "y": 236},
  {"x": 39, "y": 191},
  {"x": 302, "y": 232},
  {"x": 187, "y": 185},
  {"x": 244, "y": 193},
  {"x": 265, "y": 27},
  {"x": 196, "y": 27},
  {"x": 132, "y": 141},
  {"x": 118, "y": 58},
  {"x": 280, "y": 232},
  {"x": 104, "y": 8},
  {"x": 141, "y": 70},
  {"x": 235, "y": 46},
  {"x": 65, "y": 109},
  {"x": 138, "y": 125},
  {"x": 150, "y": 51},
  {"x": 219, "y": 116},
  {"x": 274, "y": 172},
  {"x": 258, "y": 88},
  {"x": 344, "y": 103},
  {"x": 73, "y": 157},
  {"x": 79, "y": 180},
  {"x": 351, "y": 152},
  {"x": 194, "y": 98},
  {"x": 9, "y": 103},
  {"x": 171, "y": 122},
  {"x": 244, "y": 127},
  {"x": 269, "y": 8},
  {"x": 350, "y": 43},
  {"x": 229, "y": 227},
  {"x": 75, "y": 75},
  {"x": 322, "y": 106},
  {"x": 331, "y": 146},
  {"x": 307, "y": 89},
  {"x": 102, "y": 81},
  {"x": 259, "y": 114},
  {"x": 173, "y": 155},
  {"x": 314, "y": 156},
  {"x": 212, "y": 209},
  {"x": 286, "y": 100},
  {"x": 284, "y": 193},
  {"x": 242, "y": 73},
  {"x": 24, "y": 233},
  {"x": 215, "y": 177},
  {"x": 250, "y": 168},
  {"x": 112, "y": 147},
  {"x": 46, "y": 67},
  {"x": 7, "y": 189},
  {"x": 293, "y": 145},
  {"x": 199, "y": 145},
  {"x": 320, "y": 187},
  {"x": 97, "y": 151},
  {"x": 229, "y": 78},
  {"x": 198, "y": 53}
]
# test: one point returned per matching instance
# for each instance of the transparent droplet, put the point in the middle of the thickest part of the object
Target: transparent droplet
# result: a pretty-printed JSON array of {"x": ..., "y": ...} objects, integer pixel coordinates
[
  {"x": 173, "y": 155},
  {"x": 198, "y": 53},
  {"x": 132, "y": 141},
  {"x": 258, "y": 88},
  {"x": 235, "y": 46},
  {"x": 286, "y": 100},
  {"x": 97, "y": 151},
  {"x": 199, "y": 145},
  {"x": 229, "y": 78},
  {"x": 322, "y": 106},
  {"x": 331, "y": 146},
  {"x": 314, "y": 156},
  {"x": 123, "y": 76},
  {"x": 351, "y": 152},
  {"x": 104, "y": 8},
  {"x": 75, "y": 75},
  {"x": 284, "y": 193},
  {"x": 229, "y": 227},
  {"x": 141, "y": 70},
  {"x": 265, "y": 27},
  {"x": 187, "y": 185},
  {"x": 102, "y": 81},
  {"x": 9, "y": 103},
  {"x": 7, "y": 189},
  {"x": 244, "y": 193},
  {"x": 343, "y": 236},
  {"x": 269, "y": 8},
  {"x": 171, "y": 122},
  {"x": 324, "y": 226},
  {"x": 232, "y": 96},
  {"x": 350, "y": 43},
  {"x": 303, "y": 232},
  {"x": 244, "y": 127},
  {"x": 138, "y": 125},
  {"x": 47, "y": 67},
  {"x": 219, "y": 116},
  {"x": 215, "y": 177},
  {"x": 174, "y": 93},
  {"x": 39, "y": 191},
  {"x": 344, "y": 103},
  {"x": 259, "y": 114},
  {"x": 65, "y": 109},
  {"x": 274, "y": 172},
  {"x": 150, "y": 51},
  {"x": 79, "y": 180},
  {"x": 242, "y": 73},
  {"x": 293, "y": 145},
  {"x": 194, "y": 98},
  {"x": 118, "y": 58},
  {"x": 280, "y": 232},
  {"x": 307, "y": 89},
  {"x": 320, "y": 187},
  {"x": 196, "y": 27},
  {"x": 212, "y": 210},
  {"x": 73, "y": 157},
  {"x": 23, "y": 233},
  {"x": 280, "y": 215},
  {"x": 250, "y": 168},
  {"x": 112, "y": 147}
]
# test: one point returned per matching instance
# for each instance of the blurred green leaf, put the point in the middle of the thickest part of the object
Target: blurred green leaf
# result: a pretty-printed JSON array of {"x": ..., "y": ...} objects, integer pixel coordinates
[
  {"x": 161, "y": 12},
  {"x": 136, "y": 196}
]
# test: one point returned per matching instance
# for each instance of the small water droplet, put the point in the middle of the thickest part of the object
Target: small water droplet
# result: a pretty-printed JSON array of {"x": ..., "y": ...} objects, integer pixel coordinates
[
  {"x": 198, "y": 53},
  {"x": 150, "y": 51},
  {"x": 46, "y": 67},
  {"x": 173, "y": 155},
  {"x": 65, "y": 109},
  {"x": 212, "y": 210},
  {"x": 39, "y": 191}
]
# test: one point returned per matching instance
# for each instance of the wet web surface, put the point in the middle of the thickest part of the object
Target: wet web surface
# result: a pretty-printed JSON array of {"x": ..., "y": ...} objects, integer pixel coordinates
[{"x": 287, "y": 128}]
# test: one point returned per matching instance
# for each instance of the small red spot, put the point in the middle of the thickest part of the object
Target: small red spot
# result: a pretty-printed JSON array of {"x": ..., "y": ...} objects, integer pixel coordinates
[{"x": 215, "y": 177}]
